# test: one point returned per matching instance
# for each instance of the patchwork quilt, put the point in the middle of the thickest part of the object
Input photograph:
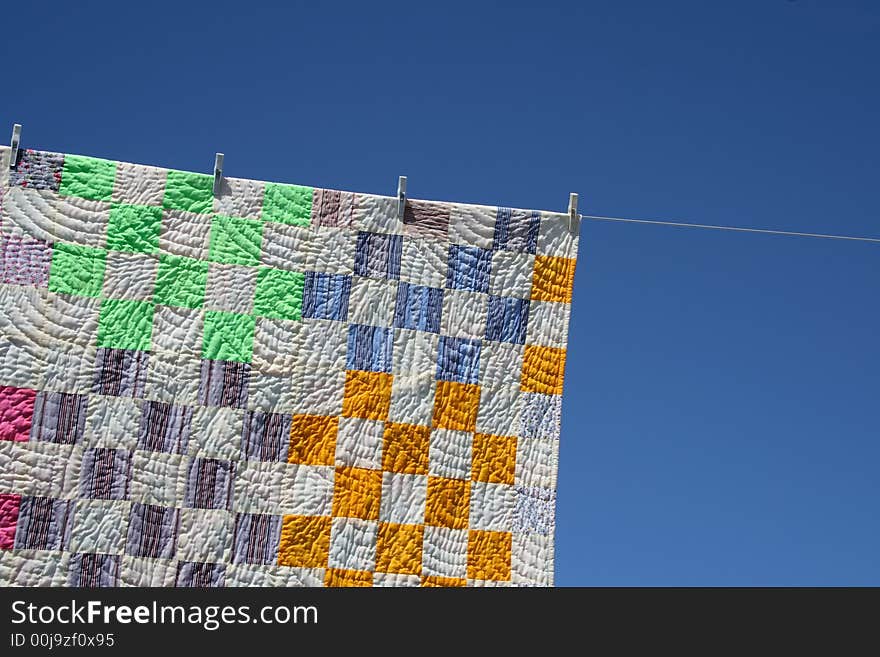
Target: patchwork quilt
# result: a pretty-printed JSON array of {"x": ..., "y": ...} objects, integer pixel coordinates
[{"x": 276, "y": 385}]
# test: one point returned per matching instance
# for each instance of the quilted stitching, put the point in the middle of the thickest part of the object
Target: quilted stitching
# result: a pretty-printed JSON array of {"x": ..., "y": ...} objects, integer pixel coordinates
[{"x": 274, "y": 385}]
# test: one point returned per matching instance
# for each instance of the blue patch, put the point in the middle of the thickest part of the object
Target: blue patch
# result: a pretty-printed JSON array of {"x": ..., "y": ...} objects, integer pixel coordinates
[
  {"x": 516, "y": 230},
  {"x": 468, "y": 268},
  {"x": 418, "y": 307},
  {"x": 541, "y": 415},
  {"x": 377, "y": 255},
  {"x": 325, "y": 296},
  {"x": 535, "y": 511},
  {"x": 458, "y": 360},
  {"x": 507, "y": 319},
  {"x": 369, "y": 348}
]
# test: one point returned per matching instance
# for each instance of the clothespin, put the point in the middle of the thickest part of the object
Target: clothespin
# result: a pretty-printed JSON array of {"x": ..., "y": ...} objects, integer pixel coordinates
[
  {"x": 401, "y": 197},
  {"x": 218, "y": 172},
  {"x": 573, "y": 216},
  {"x": 16, "y": 140}
]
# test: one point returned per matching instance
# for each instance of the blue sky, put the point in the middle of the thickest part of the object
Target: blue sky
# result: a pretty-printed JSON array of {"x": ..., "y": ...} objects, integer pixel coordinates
[{"x": 720, "y": 412}]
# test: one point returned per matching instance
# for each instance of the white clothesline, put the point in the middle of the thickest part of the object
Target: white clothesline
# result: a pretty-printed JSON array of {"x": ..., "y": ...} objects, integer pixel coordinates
[{"x": 734, "y": 228}]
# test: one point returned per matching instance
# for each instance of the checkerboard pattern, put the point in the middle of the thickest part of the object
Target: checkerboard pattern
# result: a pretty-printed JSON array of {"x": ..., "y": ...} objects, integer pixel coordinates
[{"x": 273, "y": 386}]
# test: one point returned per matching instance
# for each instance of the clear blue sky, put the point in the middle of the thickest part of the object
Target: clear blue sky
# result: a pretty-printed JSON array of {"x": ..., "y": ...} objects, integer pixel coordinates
[{"x": 720, "y": 422}]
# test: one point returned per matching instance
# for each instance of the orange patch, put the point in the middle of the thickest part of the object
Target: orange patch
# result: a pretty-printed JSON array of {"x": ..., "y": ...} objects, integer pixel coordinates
[
  {"x": 367, "y": 395},
  {"x": 313, "y": 439},
  {"x": 456, "y": 405},
  {"x": 305, "y": 541},
  {"x": 494, "y": 459},
  {"x": 342, "y": 577},
  {"x": 356, "y": 493},
  {"x": 399, "y": 548},
  {"x": 543, "y": 370},
  {"x": 433, "y": 580},
  {"x": 552, "y": 279},
  {"x": 448, "y": 503},
  {"x": 405, "y": 448},
  {"x": 489, "y": 555}
]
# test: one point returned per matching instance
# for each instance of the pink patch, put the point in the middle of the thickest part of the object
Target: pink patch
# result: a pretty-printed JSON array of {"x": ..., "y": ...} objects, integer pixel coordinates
[
  {"x": 9, "y": 505},
  {"x": 16, "y": 412}
]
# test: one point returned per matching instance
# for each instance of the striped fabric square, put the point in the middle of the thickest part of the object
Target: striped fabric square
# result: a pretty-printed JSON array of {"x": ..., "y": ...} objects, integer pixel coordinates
[
  {"x": 200, "y": 575},
  {"x": 458, "y": 360},
  {"x": 517, "y": 230},
  {"x": 265, "y": 436},
  {"x": 332, "y": 208},
  {"x": 426, "y": 219},
  {"x": 325, "y": 296},
  {"x": 164, "y": 427},
  {"x": 507, "y": 320},
  {"x": 418, "y": 307},
  {"x": 120, "y": 372},
  {"x": 224, "y": 383},
  {"x": 209, "y": 484},
  {"x": 44, "y": 523},
  {"x": 369, "y": 348},
  {"x": 94, "y": 570},
  {"x": 378, "y": 255},
  {"x": 105, "y": 474},
  {"x": 152, "y": 531},
  {"x": 256, "y": 538},
  {"x": 59, "y": 417},
  {"x": 469, "y": 268}
]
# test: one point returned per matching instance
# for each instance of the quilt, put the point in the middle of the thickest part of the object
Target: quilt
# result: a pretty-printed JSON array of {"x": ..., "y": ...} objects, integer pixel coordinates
[{"x": 273, "y": 385}]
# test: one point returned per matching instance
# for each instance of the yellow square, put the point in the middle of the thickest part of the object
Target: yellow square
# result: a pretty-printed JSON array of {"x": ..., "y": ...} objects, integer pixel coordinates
[
  {"x": 456, "y": 405},
  {"x": 356, "y": 493},
  {"x": 313, "y": 439},
  {"x": 552, "y": 279},
  {"x": 448, "y": 503},
  {"x": 494, "y": 459},
  {"x": 305, "y": 541},
  {"x": 489, "y": 555},
  {"x": 399, "y": 549},
  {"x": 367, "y": 395},
  {"x": 434, "y": 581},
  {"x": 543, "y": 370},
  {"x": 405, "y": 448},
  {"x": 341, "y": 577}
]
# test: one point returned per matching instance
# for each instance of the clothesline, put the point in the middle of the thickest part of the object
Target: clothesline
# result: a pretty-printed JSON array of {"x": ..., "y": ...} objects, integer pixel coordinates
[{"x": 734, "y": 228}]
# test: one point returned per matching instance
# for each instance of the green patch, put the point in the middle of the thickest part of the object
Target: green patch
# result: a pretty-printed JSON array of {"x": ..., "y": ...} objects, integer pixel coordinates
[
  {"x": 87, "y": 177},
  {"x": 134, "y": 228},
  {"x": 191, "y": 192},
  {"x": 288, "y": 204},
  {"x": 125, "y": 324},
  {"x": 279, "y": 294},
  {"x": 228, "y": 336},
  {"x": 180, "y": 281},
  {"x": 77, "y": 270},
  {"x": 236, "y": 241}
]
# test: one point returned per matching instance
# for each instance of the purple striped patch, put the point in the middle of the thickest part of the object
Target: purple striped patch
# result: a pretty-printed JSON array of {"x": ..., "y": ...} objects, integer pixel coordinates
[
  {"x": 209, "y": 484},
  {"x": 265, "y": 436},
  {"x": 105, "y": 474},
  {"x": 152, "y": 531},
  {"x": 256, "y": 538}
]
